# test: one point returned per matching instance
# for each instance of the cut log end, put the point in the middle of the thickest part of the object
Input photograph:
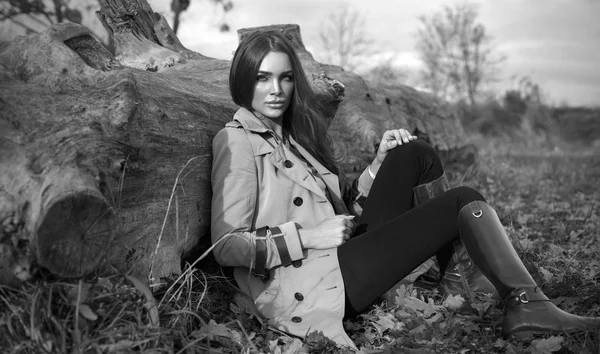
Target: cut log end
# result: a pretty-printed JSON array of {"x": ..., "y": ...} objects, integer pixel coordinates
[
  {"x": 290, "y": 31},
  {"x": 75, "y": 234}
]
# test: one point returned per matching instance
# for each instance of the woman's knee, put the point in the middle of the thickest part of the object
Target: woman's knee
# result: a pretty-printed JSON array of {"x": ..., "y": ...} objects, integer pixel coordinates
[
  {"x": 414, "y": 149},
  {"x": 417, "y": 147},
  {"x": 465, "y": 195}
]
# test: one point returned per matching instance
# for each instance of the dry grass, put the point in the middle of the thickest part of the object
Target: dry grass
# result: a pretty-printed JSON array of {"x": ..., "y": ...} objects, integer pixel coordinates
[
  {"x": 547, "y": 197},
  {"x": 115, "y": 314}
]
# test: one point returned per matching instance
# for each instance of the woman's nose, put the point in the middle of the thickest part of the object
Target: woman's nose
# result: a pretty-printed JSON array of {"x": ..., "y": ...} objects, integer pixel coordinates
[{"x": 276, "y": 87}]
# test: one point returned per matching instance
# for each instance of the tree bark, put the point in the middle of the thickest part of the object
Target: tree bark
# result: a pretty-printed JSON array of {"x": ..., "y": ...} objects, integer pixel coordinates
[{"x": 105, "y": 160}]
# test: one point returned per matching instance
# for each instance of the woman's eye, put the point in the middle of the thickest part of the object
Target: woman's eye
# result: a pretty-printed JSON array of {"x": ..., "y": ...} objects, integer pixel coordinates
[
  {"x": 261, "y": 78},
  {"x": 289, "y": 78}
]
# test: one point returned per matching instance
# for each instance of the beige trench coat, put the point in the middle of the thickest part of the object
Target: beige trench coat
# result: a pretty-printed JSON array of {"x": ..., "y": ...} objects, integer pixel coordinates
[{"x": 259, "y": 183}]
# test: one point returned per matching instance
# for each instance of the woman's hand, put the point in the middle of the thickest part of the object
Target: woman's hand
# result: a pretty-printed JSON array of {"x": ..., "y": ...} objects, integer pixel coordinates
[
  {"x": 389, "y": 140},
  {"x": 330, "y": 233}
]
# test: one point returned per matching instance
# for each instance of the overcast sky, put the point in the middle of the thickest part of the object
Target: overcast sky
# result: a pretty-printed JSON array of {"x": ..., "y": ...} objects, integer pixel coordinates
[{"x": 555, "y": 42}]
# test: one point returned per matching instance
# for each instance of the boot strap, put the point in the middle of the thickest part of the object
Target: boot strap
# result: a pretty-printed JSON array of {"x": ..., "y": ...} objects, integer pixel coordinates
[
  {"x": 524, "y": 296},
  {"x": 427, "y": 191}
]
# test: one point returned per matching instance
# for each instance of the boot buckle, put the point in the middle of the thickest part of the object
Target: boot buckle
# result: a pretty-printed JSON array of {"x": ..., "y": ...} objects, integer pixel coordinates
[
  {"x": 478, "y": 213},
  {"x": 522, "y": 298}
]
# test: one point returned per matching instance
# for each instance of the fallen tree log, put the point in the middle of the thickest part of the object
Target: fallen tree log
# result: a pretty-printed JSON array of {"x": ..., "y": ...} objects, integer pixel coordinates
[{"x": 105, "y": 160}]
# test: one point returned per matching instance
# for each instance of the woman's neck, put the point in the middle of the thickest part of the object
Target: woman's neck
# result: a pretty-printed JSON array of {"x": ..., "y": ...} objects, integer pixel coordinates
[{"x": 274, "y": 124}]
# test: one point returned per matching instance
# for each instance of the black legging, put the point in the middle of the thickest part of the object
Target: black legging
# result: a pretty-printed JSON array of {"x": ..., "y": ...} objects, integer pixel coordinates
[{"x": 393, "y": 237}]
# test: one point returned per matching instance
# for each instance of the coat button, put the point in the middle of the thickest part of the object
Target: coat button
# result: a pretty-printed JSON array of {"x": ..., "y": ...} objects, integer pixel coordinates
[
  {"x": 288, "y": 163},
  {"x": 296, "y": 319},
  {"x": 299, "y": 296},
  {"x": 298, "y": 201},
  {"x": 297, "y": 264}
]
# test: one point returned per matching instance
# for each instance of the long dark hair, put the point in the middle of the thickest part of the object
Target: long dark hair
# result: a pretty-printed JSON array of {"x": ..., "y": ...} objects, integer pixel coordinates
[{"x": 302, "y": 120}]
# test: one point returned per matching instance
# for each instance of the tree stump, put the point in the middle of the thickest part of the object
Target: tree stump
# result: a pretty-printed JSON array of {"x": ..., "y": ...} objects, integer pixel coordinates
[{"x": 105, "y": 160}]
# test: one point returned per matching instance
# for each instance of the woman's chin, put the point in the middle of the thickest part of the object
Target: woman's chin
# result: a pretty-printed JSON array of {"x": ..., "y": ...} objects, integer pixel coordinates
[{"x": 273, "y": 113}]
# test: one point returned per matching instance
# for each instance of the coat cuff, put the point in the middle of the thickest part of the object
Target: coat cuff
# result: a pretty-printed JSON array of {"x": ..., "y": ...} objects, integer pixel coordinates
[
  {"x": 292, "y": 240},
  {"x": 364, "y": 183}
]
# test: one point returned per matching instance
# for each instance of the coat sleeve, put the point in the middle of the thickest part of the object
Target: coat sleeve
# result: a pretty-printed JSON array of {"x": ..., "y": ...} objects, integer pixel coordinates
[
  {"x": 364, "y": 184},
  {"x": 234, "y": 204},
  {"x": 361, "y": 188}
]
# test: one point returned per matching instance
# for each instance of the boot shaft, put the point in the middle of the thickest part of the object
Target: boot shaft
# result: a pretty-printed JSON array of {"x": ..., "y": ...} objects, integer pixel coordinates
[{"x": 490, "y": 248}]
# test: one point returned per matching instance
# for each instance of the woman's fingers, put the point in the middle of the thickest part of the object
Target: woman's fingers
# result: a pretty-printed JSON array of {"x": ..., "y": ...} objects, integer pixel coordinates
[
  {"x": 398, "y": 136},
  {"x": 395, "y": 137},
  {"x": 391, "y": 139},
  {"x": 406, "y": 136},
  {"x": 347, "y": 228}
]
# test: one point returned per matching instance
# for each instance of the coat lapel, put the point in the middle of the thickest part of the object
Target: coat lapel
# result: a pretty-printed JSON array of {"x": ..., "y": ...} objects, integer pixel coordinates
[
  {"x": 296, "y": 172},
  {"x": 264, "y": 143},
  {"x": 331, "y": 180}
]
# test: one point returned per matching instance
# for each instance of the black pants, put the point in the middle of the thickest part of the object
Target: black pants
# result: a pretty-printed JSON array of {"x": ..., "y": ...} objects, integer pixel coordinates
[{"x": 393, "y": 236}]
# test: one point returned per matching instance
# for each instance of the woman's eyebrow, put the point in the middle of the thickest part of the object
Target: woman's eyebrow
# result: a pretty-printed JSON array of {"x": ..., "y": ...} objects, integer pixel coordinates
[{"x": 270, "y": 73}]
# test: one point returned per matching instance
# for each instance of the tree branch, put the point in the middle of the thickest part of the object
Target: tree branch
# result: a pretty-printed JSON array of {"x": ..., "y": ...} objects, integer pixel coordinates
[
  {"x": 23, "y": 25},
  {"x": 34, "y": 18}
]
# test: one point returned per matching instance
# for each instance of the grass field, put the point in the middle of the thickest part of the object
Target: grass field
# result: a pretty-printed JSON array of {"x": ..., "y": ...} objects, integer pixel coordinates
[{"x": 547, "y": 197}]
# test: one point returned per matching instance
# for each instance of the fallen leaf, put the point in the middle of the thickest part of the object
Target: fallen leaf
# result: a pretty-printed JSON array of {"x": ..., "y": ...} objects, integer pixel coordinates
[
  {"x": 388, "y": 322},
  {"x": 418, "y": 330},
  {"x": 245, "y": 303},
  {"x": 546, "y": 274},
  {"x": 546, "y": 345},
  {"x": 73, "y": 295},
  {"x": 454, "y": 302},
  {"x": 295, "y": 347},
  {"x": 86, "y": 311},
  {"x": 401, "y": 294},
  {"x": 274, "y": 346},
  {"x": 122, "y": 345},
  {"x": 213, "y": 329},
  {"x": 150, "y": 305}
]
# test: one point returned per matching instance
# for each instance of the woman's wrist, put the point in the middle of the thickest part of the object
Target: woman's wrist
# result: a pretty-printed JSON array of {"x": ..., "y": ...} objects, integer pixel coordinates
[
  {"x": 373, "y": 168},
  {"x": 370, "y": 172},
  {"x": 304, "y": 237}
]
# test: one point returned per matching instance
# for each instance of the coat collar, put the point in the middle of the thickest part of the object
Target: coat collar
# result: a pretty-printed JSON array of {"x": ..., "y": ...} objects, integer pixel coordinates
[{"x": 249, "y": 121}]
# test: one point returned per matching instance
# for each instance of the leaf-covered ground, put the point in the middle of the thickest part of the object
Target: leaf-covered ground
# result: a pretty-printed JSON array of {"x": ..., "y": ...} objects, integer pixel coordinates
[{"x": 548, "y": 199}]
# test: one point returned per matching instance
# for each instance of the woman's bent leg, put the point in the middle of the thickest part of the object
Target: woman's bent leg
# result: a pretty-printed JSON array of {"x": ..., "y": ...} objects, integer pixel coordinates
[
  {"x": 407, "y": 169},
  {"x": 404, "y": 168},
  {"x": 376, "y": 260}
]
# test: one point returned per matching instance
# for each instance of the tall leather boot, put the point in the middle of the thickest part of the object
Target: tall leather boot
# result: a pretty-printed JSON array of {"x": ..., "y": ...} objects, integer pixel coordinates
[
  {"x": 526, "y": 309},
  {"x": 461, "y": 275}
]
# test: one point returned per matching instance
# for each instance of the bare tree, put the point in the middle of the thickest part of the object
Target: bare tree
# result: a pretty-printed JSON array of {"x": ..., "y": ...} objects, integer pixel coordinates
[
  {"x": 457, "y": 52},
  {"x": 344, "y": 39},
  {"x": 387, "y": 74},
  {"x": 43, "y": 12},
  {"x": 34, "y": 16},
  {"x": 179, "y": 6}
]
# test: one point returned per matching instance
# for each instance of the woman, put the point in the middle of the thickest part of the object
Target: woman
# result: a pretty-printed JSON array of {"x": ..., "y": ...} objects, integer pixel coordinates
[{"x": 279, "y": 218}]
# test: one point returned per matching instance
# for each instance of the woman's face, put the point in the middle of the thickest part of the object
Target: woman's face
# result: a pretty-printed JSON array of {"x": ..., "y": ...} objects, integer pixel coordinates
[{"x": 274, "y": 86}]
